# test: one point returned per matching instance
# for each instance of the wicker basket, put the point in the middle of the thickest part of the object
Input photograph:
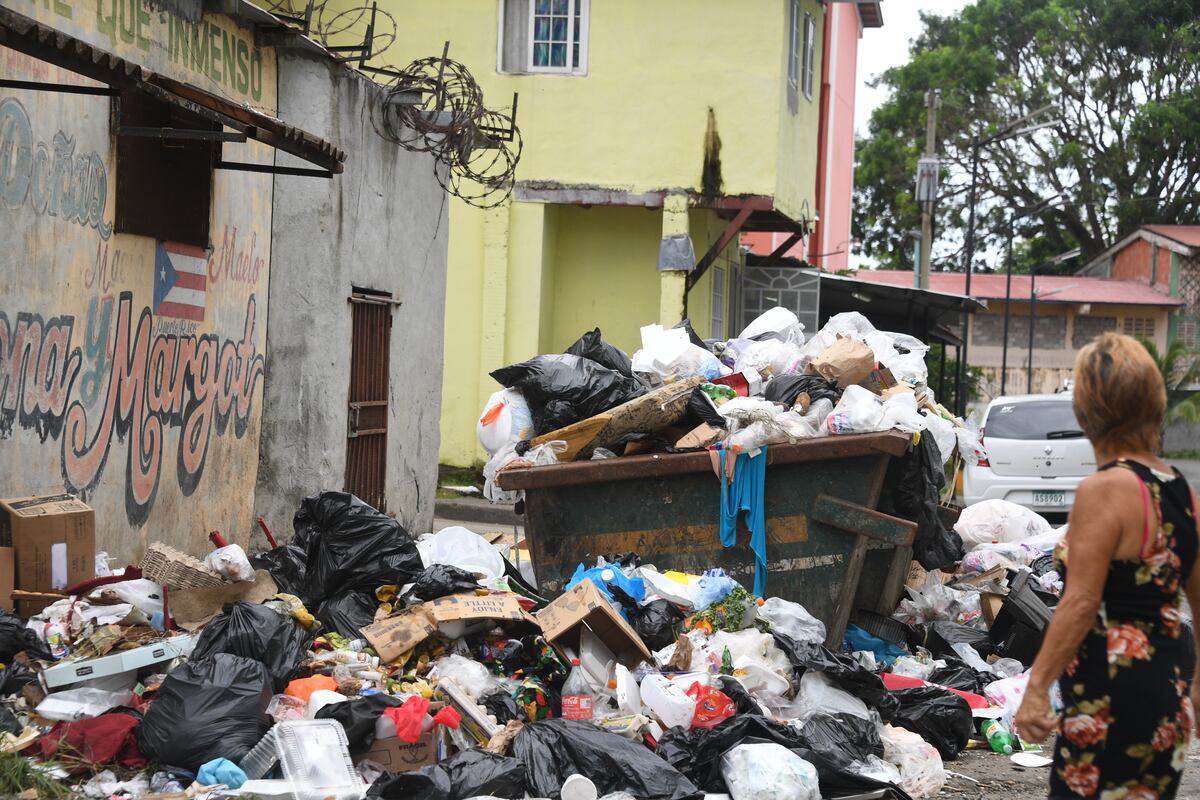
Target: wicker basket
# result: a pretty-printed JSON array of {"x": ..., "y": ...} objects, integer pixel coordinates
[{"x": 170, "y": 567}]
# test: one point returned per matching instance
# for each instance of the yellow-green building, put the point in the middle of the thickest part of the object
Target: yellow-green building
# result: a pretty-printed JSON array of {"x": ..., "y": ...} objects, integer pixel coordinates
[{"x": 654, "y": 133}]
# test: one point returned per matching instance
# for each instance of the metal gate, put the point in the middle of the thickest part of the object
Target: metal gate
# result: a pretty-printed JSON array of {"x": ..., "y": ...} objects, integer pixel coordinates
[{"x": 367, "y": 418}]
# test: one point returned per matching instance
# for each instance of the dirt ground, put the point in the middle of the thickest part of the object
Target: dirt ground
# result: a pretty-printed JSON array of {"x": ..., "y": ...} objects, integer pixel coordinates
[{"x": 1000, "y": 779}]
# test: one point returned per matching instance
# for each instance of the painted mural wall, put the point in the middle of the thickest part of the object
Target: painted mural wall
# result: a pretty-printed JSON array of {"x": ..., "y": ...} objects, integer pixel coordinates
[{"x": 131, "y": 369}]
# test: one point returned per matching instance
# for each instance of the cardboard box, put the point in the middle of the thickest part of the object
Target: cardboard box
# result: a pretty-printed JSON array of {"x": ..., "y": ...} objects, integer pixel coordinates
[
  {"x": 845, "y": 362},
  {"x": 192, "y": 609},
  {"x": 397, "y": 755},
  {"x": 7, "y": 577},
  {"x": 562, "y": 620},
  {"x": 53, "y": 539},
  {"x": 701, "y": 436},
  {"x": 396, "y": 635},
  {"x": 879, "y": 380}
]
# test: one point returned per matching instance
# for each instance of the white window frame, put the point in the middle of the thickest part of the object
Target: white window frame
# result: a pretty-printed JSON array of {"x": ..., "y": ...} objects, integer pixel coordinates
[
  {"x": 1148, "y": 325},
  {"x": 810, "y": 51},
  {"x": 794, "y": 38},
  {"x": 716, "y": 323},
  {"x": 569, "y": 69}
]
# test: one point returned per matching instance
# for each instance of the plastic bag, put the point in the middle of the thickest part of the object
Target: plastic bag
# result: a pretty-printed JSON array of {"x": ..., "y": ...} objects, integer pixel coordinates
[
  {"x": 506, "y": 456},
  {"x": 920, "y": 764},
  {"x": 776, "y": 323},
  {"x": 471, "y": 773},
  {"x": 81, "y": 703},
  {"x": 603, "y": 577},
  {"x": 941, "y": 717},
  {"x": 668, "y": 355},
  {"x": 16, "y": 638},
  {"x": 859, "y": 640},
  {"x": 565, "y": 389},
  {"x": 714, "y": 585},
  {"x": 917, "y": 479},
  {"x": 352, "y": 546},
  {"x": 785, "y": 389},
  {"x": 792, "y": 620},
  {"x": 472, "y": 676},
  {"x": 555, "y": 748},
  {"x": 900, "y": 413},
  {"x": 944, "y": 635},
  {"x": 818, "y": 695},
  {"x": 348, "y": 613},
  {"x": 998, "y": 521},
  {"x": 230, "y": 562},
  {"x": 658, "y": 623},
  {"x": 839, "y": 735},
  {"x": 592, "y": 345},
  {"x": 859, "y": 411},
  {"x": 463, "y": 548},
  {"x": 208, "y": 708},
  {"x": 771, "y": 358},
  {"x": 287, "y": 565},
  {"x": 506, "y": 419},
  {"x": 762, "y": 667},
  {"x": 712, "y": 706},
  {"x": 841, "y": 668},
  {"x": 142, "y": 593},
  {"x": 942, "y": 431},
  {"x": 255, "y": 631},
  {"x": 438, "y": 581},
  {"x": 781, "y": 427},
  {"x": 769, "y": 771}
]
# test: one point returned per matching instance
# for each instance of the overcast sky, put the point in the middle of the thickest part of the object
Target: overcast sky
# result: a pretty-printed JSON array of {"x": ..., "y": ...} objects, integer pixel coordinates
[{"x": 885, "y": 47}]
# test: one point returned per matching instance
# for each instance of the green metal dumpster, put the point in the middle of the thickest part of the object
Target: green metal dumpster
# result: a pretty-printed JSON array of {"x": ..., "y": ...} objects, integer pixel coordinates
[{"x": 828, "y": 547}]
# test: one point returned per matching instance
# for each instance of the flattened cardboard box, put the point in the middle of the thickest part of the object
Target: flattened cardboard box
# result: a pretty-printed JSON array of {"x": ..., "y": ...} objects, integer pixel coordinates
[
  {"x": 397, "y": 635},
  {"x": 53, "y": 540},
  {"x": 584, "y": 604},
  {"x": 397, "y": 755}
]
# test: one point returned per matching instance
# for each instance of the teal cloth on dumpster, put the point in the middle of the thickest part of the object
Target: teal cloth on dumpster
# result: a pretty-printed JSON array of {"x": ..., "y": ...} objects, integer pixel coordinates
[{"x": 746, "y": 493}]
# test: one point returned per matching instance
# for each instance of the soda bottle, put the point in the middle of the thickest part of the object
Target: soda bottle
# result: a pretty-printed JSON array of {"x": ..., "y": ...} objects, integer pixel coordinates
[
  {"x": 999, "y": 739},
  {"x": 577, "y": 699}
]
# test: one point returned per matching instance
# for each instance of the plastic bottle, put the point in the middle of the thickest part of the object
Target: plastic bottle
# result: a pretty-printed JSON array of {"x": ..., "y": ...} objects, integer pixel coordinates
[
  {"x": 577, "y": 699},
  {"x": 999, "y": 739}
]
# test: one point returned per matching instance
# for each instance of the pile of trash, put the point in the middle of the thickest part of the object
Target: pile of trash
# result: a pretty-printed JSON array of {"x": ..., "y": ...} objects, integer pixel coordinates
[
  {"x": 769, "y": 385},
  {"x": 356, "y": 661}
]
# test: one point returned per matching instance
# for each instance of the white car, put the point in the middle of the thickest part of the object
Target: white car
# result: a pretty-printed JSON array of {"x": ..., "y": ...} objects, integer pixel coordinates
[{"x": 1036, "y": 454}]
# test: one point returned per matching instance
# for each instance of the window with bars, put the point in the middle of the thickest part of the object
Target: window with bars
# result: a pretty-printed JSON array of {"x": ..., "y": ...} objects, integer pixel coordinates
[
  {"x": 810, "y": 49},
  {"x": 539, "y": 36},
  {"x": 1187, "y": 330},
  {"x": 794, "y": 54},
  {"x": 1141, "y": 327},
  {"x": 717, "y": 328}
]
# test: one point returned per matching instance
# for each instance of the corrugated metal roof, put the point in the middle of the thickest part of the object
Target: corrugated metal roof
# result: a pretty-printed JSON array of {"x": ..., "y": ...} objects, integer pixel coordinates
[
  {"x": 1184, "y": 234},
  {"x": 1051, "y": 288}
]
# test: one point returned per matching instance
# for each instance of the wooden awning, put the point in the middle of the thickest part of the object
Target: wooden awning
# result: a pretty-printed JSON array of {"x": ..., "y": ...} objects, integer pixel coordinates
[{"x": 28, "y": 36}]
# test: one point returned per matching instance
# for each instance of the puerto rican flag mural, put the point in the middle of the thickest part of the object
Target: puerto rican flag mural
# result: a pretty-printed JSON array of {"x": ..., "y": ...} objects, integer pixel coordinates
[{"x": 180, "y": 276}]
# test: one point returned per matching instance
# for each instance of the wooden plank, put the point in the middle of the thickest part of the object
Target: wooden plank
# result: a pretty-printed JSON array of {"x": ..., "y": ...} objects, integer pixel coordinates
[
  {"x": 836, "y": 628},
  {"x": 890, "y": 443},
  {"x": 863, "y": 521},
  {"x": 577, "y": 436}
]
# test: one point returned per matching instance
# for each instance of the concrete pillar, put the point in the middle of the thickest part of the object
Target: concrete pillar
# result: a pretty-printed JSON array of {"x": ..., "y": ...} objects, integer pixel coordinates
[
  {"x": 676, "y": 258},
  {"x": 494, "y": 307}
]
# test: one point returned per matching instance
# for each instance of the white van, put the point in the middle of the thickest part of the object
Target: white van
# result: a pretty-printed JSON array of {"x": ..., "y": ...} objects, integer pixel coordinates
[{"x": 1036, "y": 454}]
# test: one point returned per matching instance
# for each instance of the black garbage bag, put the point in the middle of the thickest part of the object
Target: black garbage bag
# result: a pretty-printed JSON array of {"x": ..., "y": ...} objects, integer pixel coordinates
[
  {"x": 348, "y": 613},
  {"x": 552, "y": 749},
  {"x": 701, "y": 411},
  {"x": 427, "y": 783},
  {"x": 440, "y": 580},
  {"x": 9, "y": 722},
  {"x": 352, "y": 546},
  {"x": 14, "y": 676},
  {"x": 696, "y": 753},
  {"x": 255, "y": 631},
  {"x": 286, "y": 564},
  {"x": 941, "y": 717},
  {"x": 657, "y": 622},
  {"x": 592, "y": 345},
  {"x": 839, "y": 734},
  {"x": 957, "y": 675},
  {"x": 15, "y": 638},
  {"x": 562, "y": 390},
  {"x": 841, "y": 668},
  {"x": 786, "y": 388},
  {"x": 736, "y": 692},
  {"x": 358, "y": 718},
  {"x": 942, "y": 634},
  {"x": 501, "y": 705},
  {"x": 918, "y": 480},
  {"x": 208, "y": 708}
]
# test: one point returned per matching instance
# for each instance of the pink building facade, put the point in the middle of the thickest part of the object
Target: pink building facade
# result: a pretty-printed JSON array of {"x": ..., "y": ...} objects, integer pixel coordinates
[{"x": 828, "y": 245}]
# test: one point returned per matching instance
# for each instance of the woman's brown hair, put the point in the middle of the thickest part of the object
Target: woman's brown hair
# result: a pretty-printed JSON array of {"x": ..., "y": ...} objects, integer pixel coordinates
[{"x": 1120, "y": 400}]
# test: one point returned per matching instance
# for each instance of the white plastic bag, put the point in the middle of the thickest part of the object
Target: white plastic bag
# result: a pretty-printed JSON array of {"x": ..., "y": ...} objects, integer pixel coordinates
[
  {"x": 506, "y": 419},
  {"x": 912, "y": 668},
  {"x": 143, "y": 594},
  {"x": 506, "y": 456},
  {"x": 779, "y": 322},
  {"x": 792, "y": 620},
  {"x": 768, "y": 771},
  {"x": 770, "y": 357},
  {"x": 469, "y": 674},
  {"x": 921, "y": 771},
  {"x": 969, "y": 446},
  {"x": 900, "y": 413},
  {"x": 818, "y": 695},
  {"x": 782, "y": 427},
  {"x": 998, "y": 521},
  {"x": 669, "y": 354},
  {"x": 859, "y": 411},
  {"x": 82, "y": 703},
  {"x": 761, "y": 666},
  {"x": 230, "y": 562},
  {"x": 462, "y": 548},
  {"x": 942, "y": 431}
]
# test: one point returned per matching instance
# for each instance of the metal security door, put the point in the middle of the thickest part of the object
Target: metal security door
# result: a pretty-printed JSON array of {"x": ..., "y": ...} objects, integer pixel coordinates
[{"x": 366, "y": 445}]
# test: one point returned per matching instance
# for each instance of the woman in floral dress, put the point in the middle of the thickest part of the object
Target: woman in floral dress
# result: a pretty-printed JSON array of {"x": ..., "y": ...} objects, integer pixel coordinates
[{"x": 1114, "y": 645}]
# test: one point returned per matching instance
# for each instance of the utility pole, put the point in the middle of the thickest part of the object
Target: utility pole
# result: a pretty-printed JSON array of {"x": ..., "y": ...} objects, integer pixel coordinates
[{"x": 933, "y": 102}]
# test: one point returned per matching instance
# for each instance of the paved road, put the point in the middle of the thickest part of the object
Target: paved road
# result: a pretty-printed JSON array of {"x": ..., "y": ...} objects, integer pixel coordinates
[{"x": 1190, "y": 470}]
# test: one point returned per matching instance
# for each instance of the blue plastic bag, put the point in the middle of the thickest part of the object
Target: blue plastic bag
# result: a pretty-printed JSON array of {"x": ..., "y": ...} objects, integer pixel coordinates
[
  {"x": 858, "y": 639},
  {"x": 714, "y": 585},
  {"x": 223, "y": 771},
  {"x": 603, "y": 576}
]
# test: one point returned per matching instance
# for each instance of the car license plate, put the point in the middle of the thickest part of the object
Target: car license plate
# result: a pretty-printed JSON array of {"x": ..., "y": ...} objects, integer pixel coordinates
[{"x": 1049, "y": 498}]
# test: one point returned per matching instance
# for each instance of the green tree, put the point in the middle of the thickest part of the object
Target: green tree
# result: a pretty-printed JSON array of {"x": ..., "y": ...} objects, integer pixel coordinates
[
  {"x": 1180, "y": 370},
  {"x": 1124, "y": 79}
]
